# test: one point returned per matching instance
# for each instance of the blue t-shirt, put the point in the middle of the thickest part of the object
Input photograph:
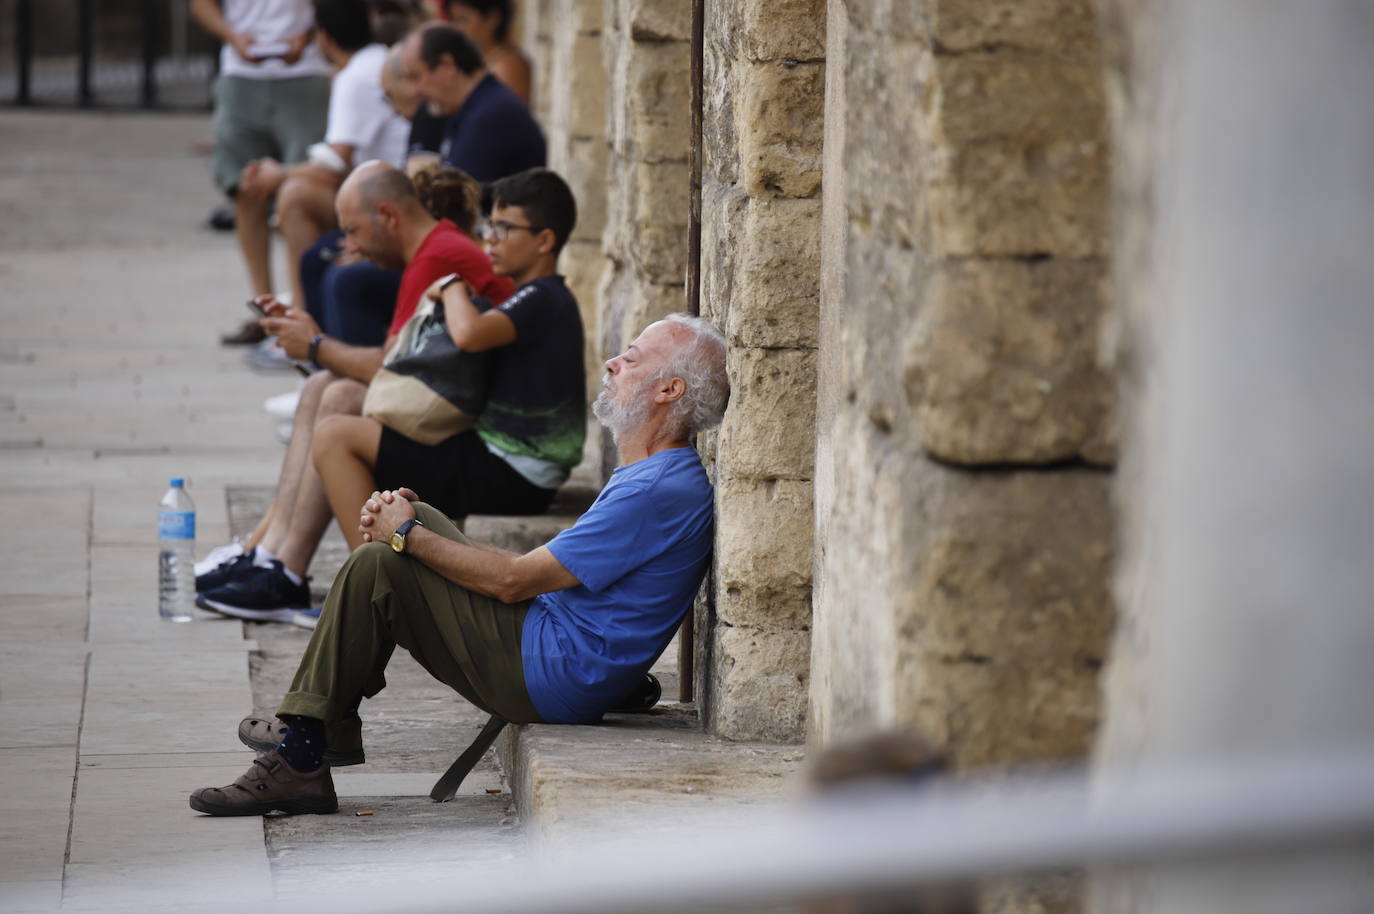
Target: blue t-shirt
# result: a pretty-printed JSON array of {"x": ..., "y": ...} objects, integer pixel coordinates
[
  {"x": 493, "y": 135},
  {"x": 639, "y": 554}
]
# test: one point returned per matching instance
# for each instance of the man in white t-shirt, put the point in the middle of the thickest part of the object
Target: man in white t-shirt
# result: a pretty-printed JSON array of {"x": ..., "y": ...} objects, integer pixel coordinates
[{"x": 361, "y": 126}]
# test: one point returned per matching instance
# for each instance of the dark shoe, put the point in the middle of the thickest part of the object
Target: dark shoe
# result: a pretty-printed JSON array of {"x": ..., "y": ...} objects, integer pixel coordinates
[
  {"x": 270, "y": 784},
  {"x": 643, "y": 697},
  {"x": 250, "y": 333},
  {"x": 259, "y": 595},
  {"x": 221, "y": 218},
  {"x": 343, "y": 739},
  {"x": 224, "y": 572}
]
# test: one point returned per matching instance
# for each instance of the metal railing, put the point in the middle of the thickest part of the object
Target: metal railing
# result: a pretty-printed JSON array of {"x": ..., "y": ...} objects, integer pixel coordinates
[{"x": 151, "y": 57}]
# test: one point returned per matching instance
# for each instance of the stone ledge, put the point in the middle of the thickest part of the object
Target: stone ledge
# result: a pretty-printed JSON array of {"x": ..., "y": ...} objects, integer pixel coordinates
[{"x": 567, "y": 779}]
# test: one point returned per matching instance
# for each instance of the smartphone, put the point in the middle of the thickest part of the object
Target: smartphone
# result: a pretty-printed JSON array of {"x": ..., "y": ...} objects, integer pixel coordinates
[
  {"x": 266, "y": 50},
  {"x": 262, "y": 312}
]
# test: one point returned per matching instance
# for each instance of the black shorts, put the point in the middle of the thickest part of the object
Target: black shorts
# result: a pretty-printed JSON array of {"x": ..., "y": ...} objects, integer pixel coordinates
[{"x": 459, "y": 476}]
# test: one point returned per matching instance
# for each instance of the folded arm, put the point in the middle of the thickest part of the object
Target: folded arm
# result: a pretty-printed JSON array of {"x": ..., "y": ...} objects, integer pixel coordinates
[{"x": 507, "y": 576}]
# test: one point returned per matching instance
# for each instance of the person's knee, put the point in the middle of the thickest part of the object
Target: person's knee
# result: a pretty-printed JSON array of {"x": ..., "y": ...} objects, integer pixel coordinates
[
  {"x": 343, "y": 396},
  {"x": 292, "y": 198},
  {"x": 331, "y": 433}
]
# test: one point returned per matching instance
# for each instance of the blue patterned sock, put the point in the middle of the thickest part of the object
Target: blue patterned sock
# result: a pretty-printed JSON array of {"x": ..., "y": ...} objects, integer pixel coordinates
[{"x": 303, "y": 745}]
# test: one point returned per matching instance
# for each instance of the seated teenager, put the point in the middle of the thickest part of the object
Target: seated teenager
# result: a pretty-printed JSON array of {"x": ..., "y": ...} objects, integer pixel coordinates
[
  {"x": 529, "y": 434},
  {"x": 380, "y": 210},
  {"x": 361, "y": 127},
  {"x": 558, "y": 635}
]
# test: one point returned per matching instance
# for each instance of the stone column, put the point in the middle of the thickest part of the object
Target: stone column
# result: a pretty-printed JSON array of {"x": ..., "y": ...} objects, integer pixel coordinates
[
  {"x": 963, "y": 523},
  {"x": 762, "y": 120},
  {"x": 1253, "y": 510}
]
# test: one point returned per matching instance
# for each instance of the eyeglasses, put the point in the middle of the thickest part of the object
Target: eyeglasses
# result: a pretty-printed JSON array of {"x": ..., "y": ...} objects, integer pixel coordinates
[{"x": 499, "y": 229}]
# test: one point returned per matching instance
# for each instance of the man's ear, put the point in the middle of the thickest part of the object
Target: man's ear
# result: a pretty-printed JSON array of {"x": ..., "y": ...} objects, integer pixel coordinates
[
  {"x": 670, "y": 390},
  {"x": 391, "y": 216}
]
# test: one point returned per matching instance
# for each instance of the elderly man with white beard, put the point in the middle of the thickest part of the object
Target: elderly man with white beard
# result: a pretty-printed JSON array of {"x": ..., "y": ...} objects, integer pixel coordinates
[{"x": 557, "y": 635}]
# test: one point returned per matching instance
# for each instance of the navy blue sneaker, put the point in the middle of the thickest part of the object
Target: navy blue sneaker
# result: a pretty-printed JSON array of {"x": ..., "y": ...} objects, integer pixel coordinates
[
  {"x": 228, "y": 570},
  {"x": 259, "y": 595},
  {"x": 308, "y": 618}
]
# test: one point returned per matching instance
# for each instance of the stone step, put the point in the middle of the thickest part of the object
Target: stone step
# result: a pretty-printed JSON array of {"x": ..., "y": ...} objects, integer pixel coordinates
[{"x": 567, "y": 780}]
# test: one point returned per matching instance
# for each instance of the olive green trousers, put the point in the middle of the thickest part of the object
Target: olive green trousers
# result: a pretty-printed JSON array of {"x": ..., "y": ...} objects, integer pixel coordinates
[{"x": 382, "y": 599}]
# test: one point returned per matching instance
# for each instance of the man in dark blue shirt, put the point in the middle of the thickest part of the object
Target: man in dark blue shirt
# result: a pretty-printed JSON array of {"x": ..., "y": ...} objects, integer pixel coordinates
[
  {"x": 559, "y": 634},
  {"x": 490, "y": 132}
]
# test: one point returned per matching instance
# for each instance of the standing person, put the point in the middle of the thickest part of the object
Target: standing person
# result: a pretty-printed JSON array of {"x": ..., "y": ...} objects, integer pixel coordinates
[
  {"x": 361, "y": 126},
  {"x": 487, "y": 23},
  {"x": 271, "y": 97},
  {"x": 490, "y": 132}
]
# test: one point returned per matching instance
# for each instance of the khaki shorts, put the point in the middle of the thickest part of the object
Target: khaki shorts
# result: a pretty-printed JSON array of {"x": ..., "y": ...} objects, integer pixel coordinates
[{"x": 266, "y": 118}]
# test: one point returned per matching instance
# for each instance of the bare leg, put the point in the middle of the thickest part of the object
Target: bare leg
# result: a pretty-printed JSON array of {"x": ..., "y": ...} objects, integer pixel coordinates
[
  {"x": 295, "y": 463},
  {"x": 255, "y": 241},
  {"x": 345, "y": 453},
  {"x": 309, "y": 515},
  {"x": 305, "y": 211}
]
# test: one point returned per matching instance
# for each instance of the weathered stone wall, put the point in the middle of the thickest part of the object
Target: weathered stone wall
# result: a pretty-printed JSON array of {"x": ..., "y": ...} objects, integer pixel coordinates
[
  {"x": 964, "y": 531},
  {"x": 762, "y": 135},
  {"x": 563, "y": 39}
]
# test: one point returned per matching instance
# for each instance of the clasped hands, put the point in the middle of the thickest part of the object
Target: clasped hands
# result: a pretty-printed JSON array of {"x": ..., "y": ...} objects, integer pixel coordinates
[
  {"x": 383, "y": 512},
  {"x": 294, "y": 328}
]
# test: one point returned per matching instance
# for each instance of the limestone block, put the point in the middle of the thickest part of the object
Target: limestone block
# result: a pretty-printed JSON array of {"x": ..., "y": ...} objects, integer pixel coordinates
[
  {"x": 660, "y": 208},
  {"x": 579, "y": 106},
  {"x": 781, "y": 112},
  {"x": 1002, "y": 364},
  {"x": 1002, "y": 620},
  {"x": 1018, "y": 94},
  {"x": 585, "y": 17},
  {"x": 1000, "y": 713},
  {"x": 776, "y": 288},
  {"x": 769, "y": 429},
  {"x": 723, "y": 209},
  {"x": 659, "y": 20},
  {"x": 583, "y": 164},
  {"x": 719, "y": 139},
  {"x": 1016, "y": 199},
  {"x": 1061, "y": 27},
  {"x": 652, "y": 92},
  {"x": 763, "y": 553},
  {"x": 760, "y": 683},
  {"x": 769, "y": 29}
]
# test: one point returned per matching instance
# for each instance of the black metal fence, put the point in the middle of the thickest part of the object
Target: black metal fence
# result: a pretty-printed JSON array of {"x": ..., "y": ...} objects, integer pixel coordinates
[{"x": 104, "y": 53}]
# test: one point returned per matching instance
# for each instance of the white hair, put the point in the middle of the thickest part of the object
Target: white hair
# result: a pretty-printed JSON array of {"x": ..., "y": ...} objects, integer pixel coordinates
[{"x": 701, "y": 366}]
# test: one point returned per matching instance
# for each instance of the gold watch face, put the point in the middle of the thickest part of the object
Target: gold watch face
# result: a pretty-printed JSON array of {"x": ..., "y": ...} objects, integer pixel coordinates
[{"x": 398, "y": 542}]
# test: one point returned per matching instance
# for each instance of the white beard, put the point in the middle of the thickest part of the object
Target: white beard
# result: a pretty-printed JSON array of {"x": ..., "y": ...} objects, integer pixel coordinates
[{"x": 619, "y": 417}]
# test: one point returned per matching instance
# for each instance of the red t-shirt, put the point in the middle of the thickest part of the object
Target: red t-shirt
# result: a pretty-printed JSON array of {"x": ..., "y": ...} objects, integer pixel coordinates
[{"x": 446, "y": 250}]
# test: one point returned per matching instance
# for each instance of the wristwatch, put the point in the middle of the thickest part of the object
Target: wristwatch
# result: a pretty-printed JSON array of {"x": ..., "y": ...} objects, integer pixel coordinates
[
  {"x": 312, "y": 355},
  {"x": 398, "y": 539}
]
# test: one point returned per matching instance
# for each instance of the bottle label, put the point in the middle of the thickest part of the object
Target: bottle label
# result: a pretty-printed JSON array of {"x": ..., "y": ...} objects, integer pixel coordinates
[{"x": 176, "y": 525}]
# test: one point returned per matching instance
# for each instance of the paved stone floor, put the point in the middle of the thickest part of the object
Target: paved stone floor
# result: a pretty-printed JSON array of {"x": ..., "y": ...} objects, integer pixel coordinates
[{"x": 111, "y": 382}]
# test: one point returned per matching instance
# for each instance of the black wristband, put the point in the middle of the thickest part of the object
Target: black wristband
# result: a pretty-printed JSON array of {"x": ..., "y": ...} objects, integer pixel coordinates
[{"x": 312, "y": 354}]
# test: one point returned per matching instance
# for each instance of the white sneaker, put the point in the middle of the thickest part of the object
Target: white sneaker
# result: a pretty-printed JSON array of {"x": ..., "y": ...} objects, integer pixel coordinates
[
  {"x": 219, "y": 555},
  {"x": 283, "y": 406}
]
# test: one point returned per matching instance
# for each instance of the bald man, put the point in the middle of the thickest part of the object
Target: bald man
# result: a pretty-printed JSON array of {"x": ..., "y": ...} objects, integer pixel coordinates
[
  {"x": 379, "y": 211},
  {"x": 426, "y": 128}
]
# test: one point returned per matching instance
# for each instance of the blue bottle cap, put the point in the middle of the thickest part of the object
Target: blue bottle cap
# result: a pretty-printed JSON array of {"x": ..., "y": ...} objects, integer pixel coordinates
[{"x": 178, "y": 482}]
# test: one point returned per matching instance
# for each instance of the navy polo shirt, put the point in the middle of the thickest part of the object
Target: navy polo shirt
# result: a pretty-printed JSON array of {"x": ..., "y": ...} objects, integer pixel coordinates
[{"x": 493, "y": 135}]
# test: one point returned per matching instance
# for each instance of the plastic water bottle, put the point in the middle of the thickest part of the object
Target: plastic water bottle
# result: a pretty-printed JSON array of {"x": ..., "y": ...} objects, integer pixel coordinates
[{"x": 176, "y": 539}]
